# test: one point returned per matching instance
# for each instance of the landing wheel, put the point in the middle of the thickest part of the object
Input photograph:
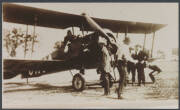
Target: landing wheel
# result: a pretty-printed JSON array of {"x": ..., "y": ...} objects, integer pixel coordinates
[
  {"x": 109, "y": 79},
  {"x": 78, "y": 82}
]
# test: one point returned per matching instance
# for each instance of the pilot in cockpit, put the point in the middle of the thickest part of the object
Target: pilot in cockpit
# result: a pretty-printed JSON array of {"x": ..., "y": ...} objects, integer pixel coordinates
[{"x": 69, "y": 37}]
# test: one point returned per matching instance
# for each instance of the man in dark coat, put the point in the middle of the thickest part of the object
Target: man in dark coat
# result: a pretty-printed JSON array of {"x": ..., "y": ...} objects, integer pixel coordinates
[
  {"x": 141, "y": 56},
  {"x": 69, "y": 37}
]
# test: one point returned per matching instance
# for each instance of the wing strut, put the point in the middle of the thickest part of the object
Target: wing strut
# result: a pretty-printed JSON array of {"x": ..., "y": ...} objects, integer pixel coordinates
[
  {"x": 82, "y": 30},
  {"x": 33, "y": 40},
  {"x": 25, "y": 43},
  {"x": 126, "y": 31},
  {"x": 73, "y": 30},
  {"x": 152, "y": 44},
  {"x": 117, "y": 35},
  {"x": 144, "y": 41},
  {"x": 25, "y": 47}
]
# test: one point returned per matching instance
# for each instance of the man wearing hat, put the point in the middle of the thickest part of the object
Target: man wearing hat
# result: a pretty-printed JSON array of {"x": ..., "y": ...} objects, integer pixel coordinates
[
  {"x": 104, "y": 64},
  {"x": 141, "y": 57},
  {"x": 123, "y": 55}
]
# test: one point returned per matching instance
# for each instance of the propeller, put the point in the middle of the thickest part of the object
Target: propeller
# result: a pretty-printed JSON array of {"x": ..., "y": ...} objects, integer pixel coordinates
[{"x": 95, "y": 26}]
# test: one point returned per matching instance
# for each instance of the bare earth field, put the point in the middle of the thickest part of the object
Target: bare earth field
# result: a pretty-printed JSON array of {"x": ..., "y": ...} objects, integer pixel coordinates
[{"x": 55, "y": 91}]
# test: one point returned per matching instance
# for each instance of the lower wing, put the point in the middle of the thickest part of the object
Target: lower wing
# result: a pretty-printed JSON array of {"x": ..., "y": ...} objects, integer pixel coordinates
[{"x": 33, "y": 68}]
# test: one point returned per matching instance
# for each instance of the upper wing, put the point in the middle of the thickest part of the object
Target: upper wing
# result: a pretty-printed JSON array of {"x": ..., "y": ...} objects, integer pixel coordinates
[
  {"x": 46, "y": 18},
  {"x": 128, "y": 26}
]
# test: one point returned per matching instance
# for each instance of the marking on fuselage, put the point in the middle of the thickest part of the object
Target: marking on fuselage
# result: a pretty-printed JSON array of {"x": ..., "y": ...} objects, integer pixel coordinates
[{"x": 30, "y": 73}]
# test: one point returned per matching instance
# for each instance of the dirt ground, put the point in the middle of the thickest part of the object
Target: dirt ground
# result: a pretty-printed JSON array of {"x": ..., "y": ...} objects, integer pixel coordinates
[{"x": 55, "y": 91}]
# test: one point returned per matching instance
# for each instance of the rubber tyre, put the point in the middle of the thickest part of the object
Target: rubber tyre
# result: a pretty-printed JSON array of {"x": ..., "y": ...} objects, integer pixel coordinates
[{"x": 78, "y": 82}]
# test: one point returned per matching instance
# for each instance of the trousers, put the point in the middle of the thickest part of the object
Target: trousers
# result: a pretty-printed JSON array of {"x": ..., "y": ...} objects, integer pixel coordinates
[
  {"x": 121, "y": 66},
  {"x": 140, "y": 71},
  {"x": 131, "y": 68}
]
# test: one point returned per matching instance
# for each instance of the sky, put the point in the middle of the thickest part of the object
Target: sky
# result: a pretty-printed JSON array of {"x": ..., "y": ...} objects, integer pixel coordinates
[{"x": 162, "y": 13}]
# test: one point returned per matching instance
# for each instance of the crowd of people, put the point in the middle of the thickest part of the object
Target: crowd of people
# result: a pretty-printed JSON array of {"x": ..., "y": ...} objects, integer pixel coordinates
[{"x": 127, "y": 61}]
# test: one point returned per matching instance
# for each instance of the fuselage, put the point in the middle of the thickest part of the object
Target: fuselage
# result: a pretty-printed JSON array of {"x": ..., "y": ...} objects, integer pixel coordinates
[{"x": 84, "y": 51}]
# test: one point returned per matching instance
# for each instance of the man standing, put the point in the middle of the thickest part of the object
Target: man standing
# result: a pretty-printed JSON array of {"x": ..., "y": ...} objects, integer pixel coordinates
[
  {"x": 123, "y": 56},
  {"x": 108, "y": 48},
  {"x": 141, "y": 56},
  {"x": 104, "y": 65},
  {"x": 131, "y": 66}
]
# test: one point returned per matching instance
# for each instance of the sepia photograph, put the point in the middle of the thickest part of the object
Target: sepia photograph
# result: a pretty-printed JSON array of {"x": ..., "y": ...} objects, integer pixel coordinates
[{"x": 90, "y": 55}]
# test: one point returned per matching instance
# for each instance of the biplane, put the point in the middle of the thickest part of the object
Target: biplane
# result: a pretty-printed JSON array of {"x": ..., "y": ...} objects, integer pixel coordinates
[{"x": 76, "y": 57}]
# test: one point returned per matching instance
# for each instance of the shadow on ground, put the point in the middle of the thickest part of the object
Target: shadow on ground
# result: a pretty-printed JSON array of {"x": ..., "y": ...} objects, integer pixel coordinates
[
  {"x": 23, "y": 87},
  {"x": 90, "y": 91}
]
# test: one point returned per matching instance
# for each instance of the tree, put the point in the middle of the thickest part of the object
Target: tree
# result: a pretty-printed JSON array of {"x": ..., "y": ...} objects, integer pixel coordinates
[
  {"x": 12, "y": 41},
  {"x": 16, "y": 38}
]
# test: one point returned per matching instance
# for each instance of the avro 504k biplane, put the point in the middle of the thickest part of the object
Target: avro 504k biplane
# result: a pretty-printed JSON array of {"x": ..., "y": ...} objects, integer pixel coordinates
[{"x": 83, "y": 53}]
